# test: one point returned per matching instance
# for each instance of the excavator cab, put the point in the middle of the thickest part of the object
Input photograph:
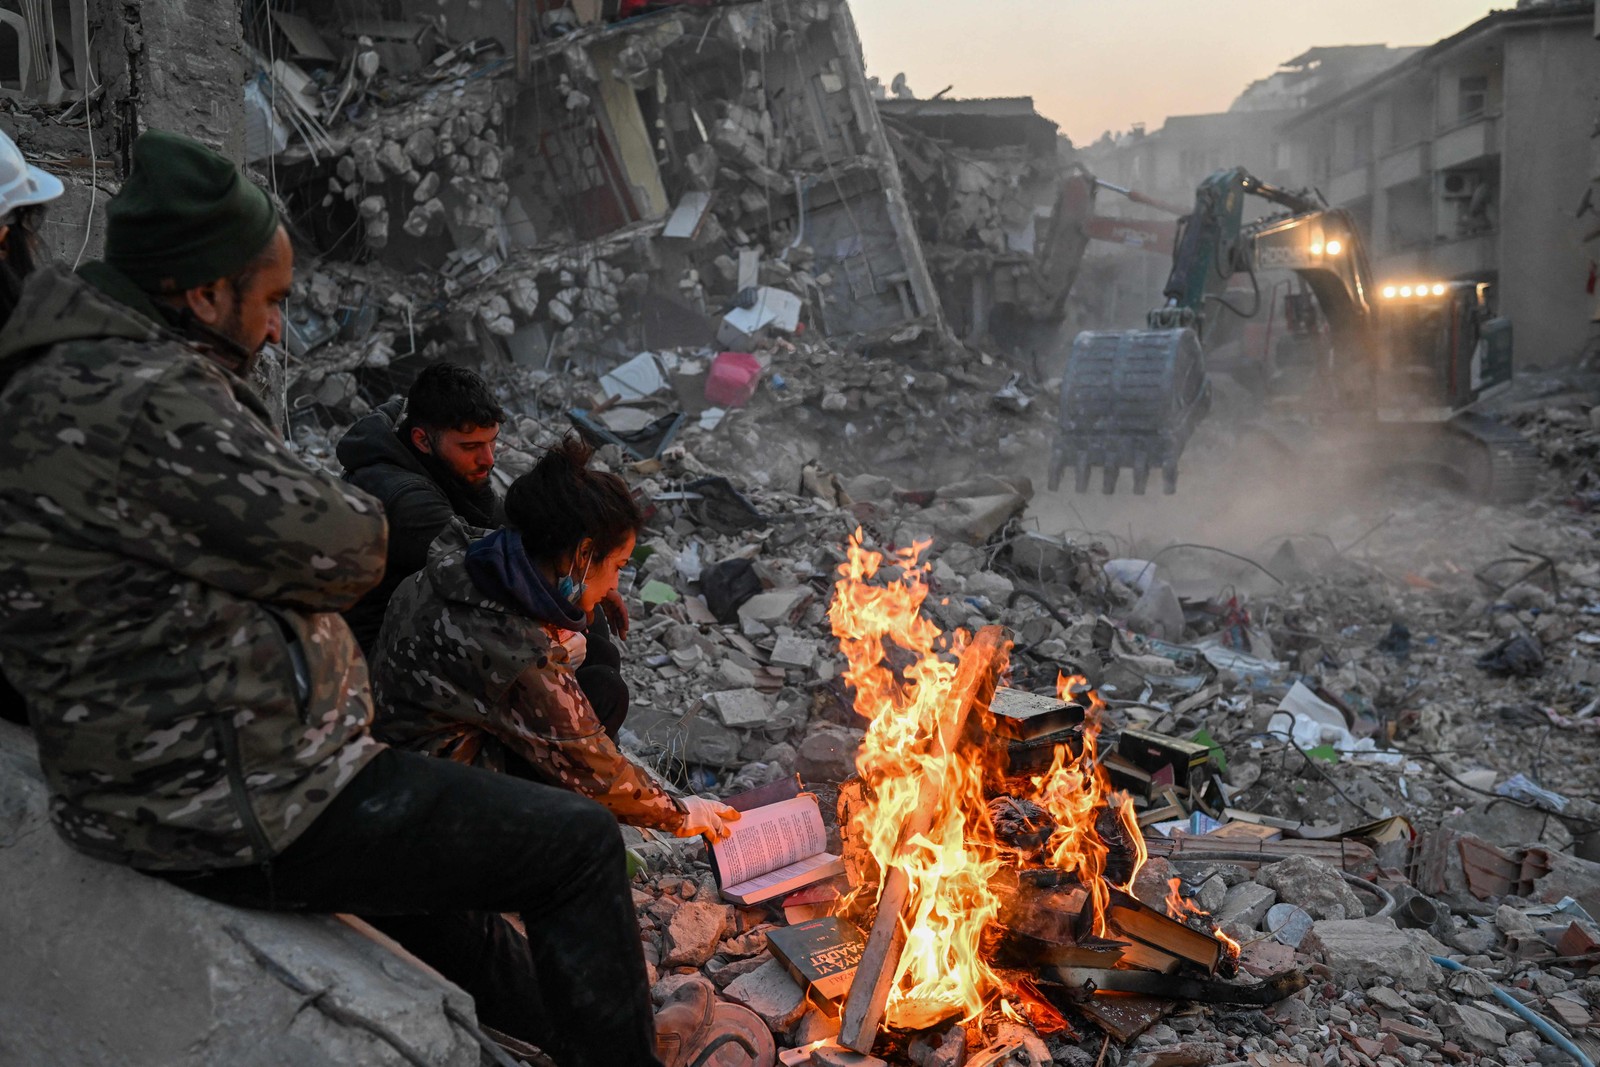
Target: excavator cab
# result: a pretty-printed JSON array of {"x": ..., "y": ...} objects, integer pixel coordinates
[{"x": 1444, "y": 349}]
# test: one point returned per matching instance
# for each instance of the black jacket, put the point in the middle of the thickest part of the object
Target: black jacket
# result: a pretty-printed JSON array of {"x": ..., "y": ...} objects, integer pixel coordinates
[{"x": 419, "y": 497}]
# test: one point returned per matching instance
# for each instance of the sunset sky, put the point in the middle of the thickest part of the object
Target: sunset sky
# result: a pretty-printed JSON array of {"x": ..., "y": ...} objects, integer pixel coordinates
[{"x": 1093, "y": 65}]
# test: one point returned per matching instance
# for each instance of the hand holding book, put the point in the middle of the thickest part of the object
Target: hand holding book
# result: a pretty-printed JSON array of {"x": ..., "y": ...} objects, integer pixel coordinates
[{"x": 706, "y": 817}]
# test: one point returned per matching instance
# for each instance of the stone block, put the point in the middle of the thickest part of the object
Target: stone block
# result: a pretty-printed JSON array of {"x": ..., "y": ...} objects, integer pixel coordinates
[
  {"x": 781, "y": 607},
  {"x": 1313, "y": 885},
  {"x": 1359, "y": 952},
  {"x": 106, "y": 966},
  {"x": 771, "y": 993},
  {"x": 694, "y": 932},
  {"x": 1246, "y": 905},
  {"x": 741, "y": 707}
]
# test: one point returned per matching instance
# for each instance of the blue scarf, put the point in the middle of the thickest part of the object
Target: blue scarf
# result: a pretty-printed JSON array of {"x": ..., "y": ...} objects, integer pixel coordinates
[{"x": 499, "y": 566}]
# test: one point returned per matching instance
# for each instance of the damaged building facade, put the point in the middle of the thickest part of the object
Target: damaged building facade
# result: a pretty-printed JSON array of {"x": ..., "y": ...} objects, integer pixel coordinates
[
  {"x": 1470, "y": 160},
  {"x": 575, "y": 185}
]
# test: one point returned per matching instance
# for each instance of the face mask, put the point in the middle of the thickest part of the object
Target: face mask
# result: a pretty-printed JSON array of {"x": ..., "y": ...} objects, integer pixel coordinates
[{"x": 569, "y": 590}]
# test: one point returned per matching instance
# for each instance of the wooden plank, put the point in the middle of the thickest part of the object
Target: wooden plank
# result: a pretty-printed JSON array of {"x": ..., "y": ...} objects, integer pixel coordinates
[{"x": 869, "y": 993}]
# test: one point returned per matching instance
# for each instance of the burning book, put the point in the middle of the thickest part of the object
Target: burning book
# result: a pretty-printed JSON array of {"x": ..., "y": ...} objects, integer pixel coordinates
[{"x": 976, "y": 861}]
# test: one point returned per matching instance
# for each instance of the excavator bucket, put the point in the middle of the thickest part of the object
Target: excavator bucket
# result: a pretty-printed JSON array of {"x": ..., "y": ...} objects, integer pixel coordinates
[{"x": 1129, "y": 399}]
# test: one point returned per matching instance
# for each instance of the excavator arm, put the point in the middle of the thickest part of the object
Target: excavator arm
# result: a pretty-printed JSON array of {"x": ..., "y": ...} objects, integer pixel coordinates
[{"x": 1133, "y": 398}]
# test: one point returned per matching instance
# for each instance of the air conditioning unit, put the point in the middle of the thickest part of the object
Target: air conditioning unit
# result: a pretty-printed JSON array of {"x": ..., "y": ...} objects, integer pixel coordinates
[{"x": 1461, "y": 184}]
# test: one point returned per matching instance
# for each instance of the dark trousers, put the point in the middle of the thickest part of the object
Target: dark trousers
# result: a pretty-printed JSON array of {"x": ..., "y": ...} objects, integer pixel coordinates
[{"x": 432, "y": 851}]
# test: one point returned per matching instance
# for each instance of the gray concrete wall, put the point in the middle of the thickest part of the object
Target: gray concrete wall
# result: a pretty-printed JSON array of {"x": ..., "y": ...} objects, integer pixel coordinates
[{"x": 1552, "y": 79}]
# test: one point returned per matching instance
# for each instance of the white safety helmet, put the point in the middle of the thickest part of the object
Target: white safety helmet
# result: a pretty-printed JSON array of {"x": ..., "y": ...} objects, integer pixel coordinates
[{"x": 21, "y": 183}]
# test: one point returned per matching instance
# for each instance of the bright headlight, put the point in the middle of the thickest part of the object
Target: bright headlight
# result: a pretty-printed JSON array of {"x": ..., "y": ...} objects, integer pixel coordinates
[{"x": 1335, "y": 247}]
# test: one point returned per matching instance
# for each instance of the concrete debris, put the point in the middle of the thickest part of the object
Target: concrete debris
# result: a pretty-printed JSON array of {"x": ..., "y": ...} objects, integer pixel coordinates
[
  {"x": 785, "y": 309},
  {"x": 80, "y": 931},
  {"x": 1359, "y": 952}
]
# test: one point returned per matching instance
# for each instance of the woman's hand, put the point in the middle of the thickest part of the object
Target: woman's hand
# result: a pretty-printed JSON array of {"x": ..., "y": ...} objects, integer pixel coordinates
[
  {"x": 616, "y": 610},
  {"x": 706, "y": 817}
]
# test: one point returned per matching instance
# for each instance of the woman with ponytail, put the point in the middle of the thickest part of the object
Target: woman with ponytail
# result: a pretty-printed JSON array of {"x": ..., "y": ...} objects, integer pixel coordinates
[{"x": 490, "y": 656}]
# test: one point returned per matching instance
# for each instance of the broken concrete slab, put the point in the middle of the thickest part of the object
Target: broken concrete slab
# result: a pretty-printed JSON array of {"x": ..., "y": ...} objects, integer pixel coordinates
[
  {"x": 780, "y": 607},
  {"x": 1361, "y": 951},
  {"x": 1246, "y": 905},
  {"x": 771, "y": 993},
  {"x": 741, "y": 707},
  {"x": 796, "y": 653},
  {"x": 827, "y": 754},
  {"x": 81, "y": 934}
]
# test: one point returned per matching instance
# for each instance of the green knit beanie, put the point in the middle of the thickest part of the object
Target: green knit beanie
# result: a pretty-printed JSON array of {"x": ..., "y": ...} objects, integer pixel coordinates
[{"x": 185, "y": 216}]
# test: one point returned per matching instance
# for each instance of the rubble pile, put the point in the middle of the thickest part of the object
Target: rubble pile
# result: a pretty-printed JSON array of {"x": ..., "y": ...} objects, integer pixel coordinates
[
  {"x": 695, "y": 237},
  {"x": 1378, "y": 784}
]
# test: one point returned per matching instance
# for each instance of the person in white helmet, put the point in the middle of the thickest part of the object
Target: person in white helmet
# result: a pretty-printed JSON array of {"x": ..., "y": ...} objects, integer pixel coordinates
[{"x": 24, "y": 192}]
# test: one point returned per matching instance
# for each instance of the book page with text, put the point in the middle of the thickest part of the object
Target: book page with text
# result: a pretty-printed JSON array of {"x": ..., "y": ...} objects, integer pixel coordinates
[
  {"x": 771, "y": 837},
  {"x": 801, "y": 872}
]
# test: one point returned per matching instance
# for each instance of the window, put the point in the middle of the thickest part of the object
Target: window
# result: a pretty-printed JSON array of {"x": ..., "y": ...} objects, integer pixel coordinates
[{"x": 1474, "y": 96}]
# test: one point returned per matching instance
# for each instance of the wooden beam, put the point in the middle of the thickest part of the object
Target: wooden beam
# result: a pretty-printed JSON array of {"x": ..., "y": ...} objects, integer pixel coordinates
[{"x": 979, "y": 669}]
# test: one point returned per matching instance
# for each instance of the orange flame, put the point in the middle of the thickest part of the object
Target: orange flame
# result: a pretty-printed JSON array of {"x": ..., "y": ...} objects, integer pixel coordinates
[
  {"x": 902, "y": 671},
  {"x": 1179, "y": 907},
  {"x": 877, "y": 617},
  {"x": 1074, "y": 791}
]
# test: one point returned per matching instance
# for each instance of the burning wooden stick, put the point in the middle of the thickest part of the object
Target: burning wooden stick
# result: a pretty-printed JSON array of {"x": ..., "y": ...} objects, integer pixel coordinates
[{"x": 976, "y": 675}]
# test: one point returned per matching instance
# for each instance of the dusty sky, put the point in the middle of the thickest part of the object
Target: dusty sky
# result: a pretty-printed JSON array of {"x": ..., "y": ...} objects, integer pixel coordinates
[{"x": 1093, "y": 65}]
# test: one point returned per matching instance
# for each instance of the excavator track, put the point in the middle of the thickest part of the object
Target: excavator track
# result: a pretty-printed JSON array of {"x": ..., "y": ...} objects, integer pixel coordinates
[
  {"x": 1503, "y": 466},
  {"x": 1129, "y": 399}
]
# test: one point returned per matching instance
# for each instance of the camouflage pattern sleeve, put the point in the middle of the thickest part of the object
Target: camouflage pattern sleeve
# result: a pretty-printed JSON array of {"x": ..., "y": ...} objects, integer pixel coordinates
[
  {"x": 222, "y": 500},
  {"x": 548, "y": 722}
]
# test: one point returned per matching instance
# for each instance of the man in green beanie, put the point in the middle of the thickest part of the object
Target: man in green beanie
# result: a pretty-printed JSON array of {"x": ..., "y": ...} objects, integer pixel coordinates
[{"x": 171, "y": 578}]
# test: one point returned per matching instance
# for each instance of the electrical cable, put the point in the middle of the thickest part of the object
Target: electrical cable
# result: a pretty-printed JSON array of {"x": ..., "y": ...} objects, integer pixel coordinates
[
  {"x": 1533, "y": 1018},
  {"x": 87, "y": 78}
]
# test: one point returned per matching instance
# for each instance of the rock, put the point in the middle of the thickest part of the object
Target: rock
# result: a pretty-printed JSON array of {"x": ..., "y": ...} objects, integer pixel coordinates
[
  {"x": 794, "y": 652},
  {"x": 80, "y": 934},
  {"x": 1211, "y": 895},
  {"x": 741, "y": 707},
  {"x": 813, "y": 1026},
  {"x": 995, "y": 587},
  {"x": 694, "y": 932},
  {"x": 781, "y": 607},
  {"x": 1359, "y": 952},
  {"x": 1313, "y": 885},
  {"x": 1246, "y": 905},
  {"x": 1389, "y": 1000},
  {"x": 1476, "y": 1029},
  {"x": 771, "y": 993},
  {"x": 870, "y": 487},
  {"x": 827, "y": 754}
]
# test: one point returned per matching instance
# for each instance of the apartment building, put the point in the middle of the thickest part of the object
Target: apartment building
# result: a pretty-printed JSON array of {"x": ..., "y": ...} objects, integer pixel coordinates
[{"x": 1470, "y": 159}]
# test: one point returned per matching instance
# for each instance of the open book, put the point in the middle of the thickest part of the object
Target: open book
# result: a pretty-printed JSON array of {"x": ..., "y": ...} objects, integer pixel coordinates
[{"x": 774, "y": 849}]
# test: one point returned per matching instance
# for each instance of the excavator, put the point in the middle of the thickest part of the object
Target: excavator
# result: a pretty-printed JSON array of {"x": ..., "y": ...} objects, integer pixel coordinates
[{"x": 1405, "y": 363}]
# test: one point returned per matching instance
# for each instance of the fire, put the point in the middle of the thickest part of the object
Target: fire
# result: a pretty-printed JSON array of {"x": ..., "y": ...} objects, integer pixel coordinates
[
  {"x": 903, "y": 671},
  {"x": 879, "y": 623},
  {"x": 1074, "y": 791},
  {"x": 1179, "y": 907}
]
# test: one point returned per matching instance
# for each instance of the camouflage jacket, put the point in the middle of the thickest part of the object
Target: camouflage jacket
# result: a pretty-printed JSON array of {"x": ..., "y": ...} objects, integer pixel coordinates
[
  {"x": 169, "y": 581},
  {"x": 461, "y": 675}
]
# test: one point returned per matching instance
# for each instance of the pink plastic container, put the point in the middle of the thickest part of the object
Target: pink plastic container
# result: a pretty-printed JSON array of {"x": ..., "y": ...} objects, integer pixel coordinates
[{"x": 732, "y": 380}]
